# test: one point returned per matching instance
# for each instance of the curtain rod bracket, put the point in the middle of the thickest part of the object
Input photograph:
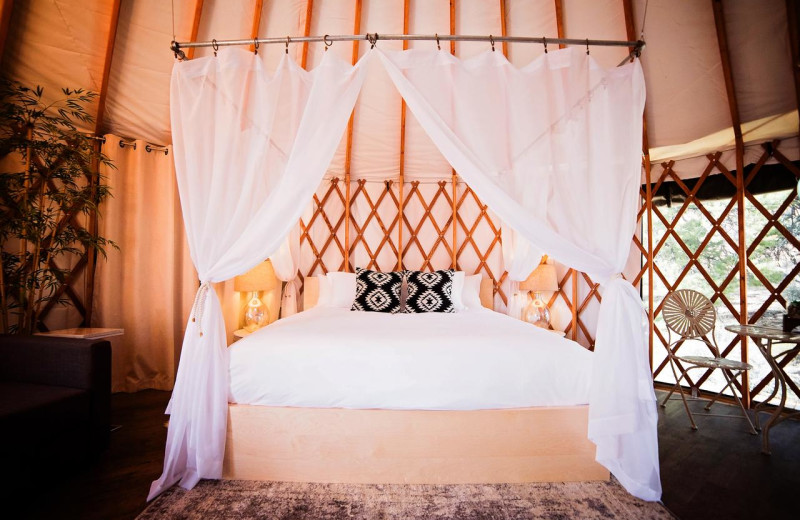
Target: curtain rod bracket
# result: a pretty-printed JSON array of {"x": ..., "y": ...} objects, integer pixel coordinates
[
  {"x": 373, "y": 39},
  {"x": 175, "y": 47}
]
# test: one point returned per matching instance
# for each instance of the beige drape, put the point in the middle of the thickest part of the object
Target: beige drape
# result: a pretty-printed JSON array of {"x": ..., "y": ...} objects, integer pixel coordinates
[{"x": 147, "y": 286}]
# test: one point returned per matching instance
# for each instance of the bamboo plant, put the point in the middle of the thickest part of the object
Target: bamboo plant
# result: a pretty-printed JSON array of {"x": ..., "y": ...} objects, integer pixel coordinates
[{"x": 49, "y": 184}]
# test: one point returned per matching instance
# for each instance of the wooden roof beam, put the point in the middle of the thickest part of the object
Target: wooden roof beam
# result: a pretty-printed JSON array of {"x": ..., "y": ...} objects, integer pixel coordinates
[
  {"x": 6, "y": 6},
  {"x": 452, "y": 26},
  {"x": 503, "y": 25},
  {"x": 560, "y": 21},
  {"x": 257, "y": 10},
  {"x": 306, "y": 32},
  {"x": 793, "y": 21},
  {"x": 198, "y": 13},
  {"x": 109, "y": 56},
  {"x": 724, "y": 52}
]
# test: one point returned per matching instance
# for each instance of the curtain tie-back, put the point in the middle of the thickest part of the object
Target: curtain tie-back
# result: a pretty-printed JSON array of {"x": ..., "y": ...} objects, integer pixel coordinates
[
  {"x": 616, "y": 276},
  {"x": 199, "y": 304}
]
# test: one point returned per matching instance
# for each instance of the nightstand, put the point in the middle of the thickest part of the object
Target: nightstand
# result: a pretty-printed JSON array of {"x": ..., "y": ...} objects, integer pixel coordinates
[{"x": 239, "y": 334}]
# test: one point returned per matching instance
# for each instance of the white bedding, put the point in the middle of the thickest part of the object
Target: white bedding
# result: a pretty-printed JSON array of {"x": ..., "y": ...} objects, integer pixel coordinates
[{"x": 336, "y": 358}]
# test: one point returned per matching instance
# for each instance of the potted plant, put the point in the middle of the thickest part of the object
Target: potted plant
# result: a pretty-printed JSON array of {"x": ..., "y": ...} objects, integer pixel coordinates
[
  {"x": 792, "y": 317},
  {"x": 49, "y": 184}
]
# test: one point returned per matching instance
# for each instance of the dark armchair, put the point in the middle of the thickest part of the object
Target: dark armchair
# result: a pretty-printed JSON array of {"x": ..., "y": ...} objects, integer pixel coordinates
[{"x": 55, "y": 401}]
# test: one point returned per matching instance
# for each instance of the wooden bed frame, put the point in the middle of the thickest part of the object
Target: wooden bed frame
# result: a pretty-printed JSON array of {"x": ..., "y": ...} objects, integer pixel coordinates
[{"x": 543, "y": 444}]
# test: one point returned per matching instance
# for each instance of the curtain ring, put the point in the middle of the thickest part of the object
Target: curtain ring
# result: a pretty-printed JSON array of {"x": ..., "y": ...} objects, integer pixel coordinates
[
  {"x": 147, "y": 148},
  {"x": 215, "y": 46},
  {"x": 326, "y": 42},
  {"x": 438, "y": 46},
  {"x": 491, "y": 40},
  {"x": 255, "y": 46},
  {"x": 587, "y": 46},
  {"x": 287, "y": 44},
  {"x": 544, "y": 39},
  {"x": 373, "y": 39}
]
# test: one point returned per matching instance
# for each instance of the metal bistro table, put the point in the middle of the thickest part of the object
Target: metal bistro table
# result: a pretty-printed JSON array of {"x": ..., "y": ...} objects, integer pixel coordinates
[{"x": 764, "y": 338}]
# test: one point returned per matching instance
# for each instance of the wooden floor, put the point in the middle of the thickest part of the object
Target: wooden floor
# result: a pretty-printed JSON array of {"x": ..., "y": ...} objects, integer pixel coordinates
[{"x": 716, "y": 472}]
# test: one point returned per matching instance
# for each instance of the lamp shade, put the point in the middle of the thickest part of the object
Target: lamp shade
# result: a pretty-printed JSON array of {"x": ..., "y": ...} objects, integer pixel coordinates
[
  {"x": 260, "y": 278},
  {"x": 543, "y": 278}
]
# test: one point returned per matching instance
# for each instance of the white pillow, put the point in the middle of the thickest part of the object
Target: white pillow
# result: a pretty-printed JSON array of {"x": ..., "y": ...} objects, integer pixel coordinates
[
  {"x": 324, "y": 294},
  {"x": 457, "y": 291},
  {"x": 471, "y": 294},
  {"x": 341, "y": 289}
]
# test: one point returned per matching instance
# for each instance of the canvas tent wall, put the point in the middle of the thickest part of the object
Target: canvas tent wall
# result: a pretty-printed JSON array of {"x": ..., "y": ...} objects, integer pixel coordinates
[{"x": 120, "y": 48}]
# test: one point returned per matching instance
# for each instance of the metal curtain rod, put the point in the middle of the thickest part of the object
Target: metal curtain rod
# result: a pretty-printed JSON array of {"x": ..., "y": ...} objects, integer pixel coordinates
[{"x": 637, "y": 45}]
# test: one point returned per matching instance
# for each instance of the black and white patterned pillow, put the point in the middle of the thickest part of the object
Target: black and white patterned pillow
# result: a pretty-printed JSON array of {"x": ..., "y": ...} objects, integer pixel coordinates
[
  {"x": 429, "y": 292},
  {"x": 377, "y": 292}
]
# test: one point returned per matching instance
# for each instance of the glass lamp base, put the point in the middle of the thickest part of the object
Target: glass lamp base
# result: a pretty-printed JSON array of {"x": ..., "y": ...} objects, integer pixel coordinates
[
  {"x": 255, "y": 314},
  {"x": 537, "y": 313}
]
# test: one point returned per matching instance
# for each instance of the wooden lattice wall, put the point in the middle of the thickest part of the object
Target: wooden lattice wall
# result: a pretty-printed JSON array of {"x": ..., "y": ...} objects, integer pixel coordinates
[
  {"x": 442, "y": 225},
  {"x": 725, "y": 236}
]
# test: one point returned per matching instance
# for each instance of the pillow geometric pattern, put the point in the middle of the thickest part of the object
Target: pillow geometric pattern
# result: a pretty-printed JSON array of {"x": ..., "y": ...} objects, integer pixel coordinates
[
  {"x": 429, "y": 292},
  {"x": 377, "y": 292}
]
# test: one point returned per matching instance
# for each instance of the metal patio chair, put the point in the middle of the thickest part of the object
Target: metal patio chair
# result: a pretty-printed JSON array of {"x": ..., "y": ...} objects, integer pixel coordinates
[{"x": 691, "y": 316}]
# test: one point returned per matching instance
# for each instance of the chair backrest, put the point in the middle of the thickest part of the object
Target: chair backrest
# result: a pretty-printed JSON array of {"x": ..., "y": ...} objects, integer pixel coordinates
[{"x": 688, "y": 313}]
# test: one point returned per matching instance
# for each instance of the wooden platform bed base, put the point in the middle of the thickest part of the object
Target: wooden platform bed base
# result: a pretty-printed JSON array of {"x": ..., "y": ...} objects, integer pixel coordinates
[{"x": 414, "y": 447}]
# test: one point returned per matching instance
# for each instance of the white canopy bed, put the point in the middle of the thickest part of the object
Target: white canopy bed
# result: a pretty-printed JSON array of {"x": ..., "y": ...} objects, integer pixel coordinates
[
  {"x": 552, "y": 148},
  {"x": 331, "y": 395}
]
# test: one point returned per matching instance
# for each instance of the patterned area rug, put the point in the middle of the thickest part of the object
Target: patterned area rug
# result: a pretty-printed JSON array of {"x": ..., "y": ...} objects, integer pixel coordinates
[{"x": 241, "y": 500}]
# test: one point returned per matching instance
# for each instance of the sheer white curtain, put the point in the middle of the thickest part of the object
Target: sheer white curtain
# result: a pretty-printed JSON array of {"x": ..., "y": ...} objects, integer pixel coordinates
[
  {"x": 554, "y": 149},
  {"x": 250, "y": 149},
  {"x": 520, "y": 258}
]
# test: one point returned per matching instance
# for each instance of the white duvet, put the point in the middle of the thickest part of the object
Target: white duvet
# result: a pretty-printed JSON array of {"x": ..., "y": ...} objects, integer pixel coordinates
[{"x": 336, "y": 358}]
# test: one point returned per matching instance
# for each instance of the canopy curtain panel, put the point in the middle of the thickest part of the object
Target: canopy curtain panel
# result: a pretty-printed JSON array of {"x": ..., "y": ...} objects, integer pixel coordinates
[
  {"x": 250, "y": 148},
  {"x": 554, "y": 149}
]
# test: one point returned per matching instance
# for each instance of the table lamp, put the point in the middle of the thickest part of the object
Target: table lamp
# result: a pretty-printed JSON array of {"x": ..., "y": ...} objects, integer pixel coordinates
[
  {"x": 260, "y": 278},
  {"x": 543, "y": 278}
]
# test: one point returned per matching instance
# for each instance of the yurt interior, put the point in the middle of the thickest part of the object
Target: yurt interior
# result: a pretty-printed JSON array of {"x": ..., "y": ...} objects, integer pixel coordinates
[{"x": 413, "y": 259}]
